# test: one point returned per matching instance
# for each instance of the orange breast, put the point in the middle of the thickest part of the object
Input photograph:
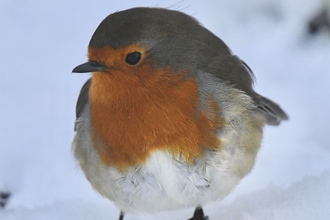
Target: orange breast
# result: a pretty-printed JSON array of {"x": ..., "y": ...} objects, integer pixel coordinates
[{"x": 137, "y": 112}]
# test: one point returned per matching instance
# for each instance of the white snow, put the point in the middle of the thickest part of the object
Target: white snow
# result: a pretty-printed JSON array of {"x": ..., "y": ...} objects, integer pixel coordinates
[{"x": 41, "y": 42}]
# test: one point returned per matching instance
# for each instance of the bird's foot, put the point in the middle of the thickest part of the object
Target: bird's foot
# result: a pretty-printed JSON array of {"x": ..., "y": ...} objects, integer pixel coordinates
[{"x": 199, "y": 215}]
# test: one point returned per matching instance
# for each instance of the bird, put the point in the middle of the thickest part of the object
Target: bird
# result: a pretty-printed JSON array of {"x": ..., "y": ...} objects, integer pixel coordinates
[{"x": 169, "y": 118}]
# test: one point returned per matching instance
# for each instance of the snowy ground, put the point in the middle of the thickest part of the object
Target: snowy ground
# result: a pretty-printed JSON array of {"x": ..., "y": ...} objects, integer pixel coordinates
[{"x": 41, "y": 42}]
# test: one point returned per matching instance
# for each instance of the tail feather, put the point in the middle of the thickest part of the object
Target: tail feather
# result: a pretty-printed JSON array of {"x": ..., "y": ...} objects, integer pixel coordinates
[{"x": 273, "y": 112}]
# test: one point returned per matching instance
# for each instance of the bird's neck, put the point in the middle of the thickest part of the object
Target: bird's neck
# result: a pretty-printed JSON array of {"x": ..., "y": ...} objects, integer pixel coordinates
[{"x": 131, "y": 119}]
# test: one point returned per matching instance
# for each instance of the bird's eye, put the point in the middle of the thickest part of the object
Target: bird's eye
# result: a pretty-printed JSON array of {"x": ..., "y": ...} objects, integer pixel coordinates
[{"x": 133, "y": 58}]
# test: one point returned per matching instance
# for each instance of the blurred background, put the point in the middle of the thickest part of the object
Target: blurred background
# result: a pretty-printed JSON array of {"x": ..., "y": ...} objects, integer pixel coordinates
[{"x": 285, "y": 42}]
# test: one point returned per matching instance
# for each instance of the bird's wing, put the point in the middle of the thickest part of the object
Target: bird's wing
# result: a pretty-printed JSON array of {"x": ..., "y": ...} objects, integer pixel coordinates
[
  {"x": 83, "y": 98},
  {"x": 233, "y": 70}
]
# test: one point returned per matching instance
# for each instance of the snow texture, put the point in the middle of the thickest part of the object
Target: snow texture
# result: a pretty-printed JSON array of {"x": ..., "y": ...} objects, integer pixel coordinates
[{"x": 41, "y": 42}]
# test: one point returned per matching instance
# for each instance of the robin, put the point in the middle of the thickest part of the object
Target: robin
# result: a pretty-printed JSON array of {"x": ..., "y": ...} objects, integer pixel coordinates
[{"x": 169, "y": 118}]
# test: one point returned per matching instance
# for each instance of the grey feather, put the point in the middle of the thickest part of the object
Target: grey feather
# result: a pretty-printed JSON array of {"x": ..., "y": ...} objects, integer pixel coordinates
[
  {"x": 83, "y": 99},
  {"x": 272, "y": 111}
]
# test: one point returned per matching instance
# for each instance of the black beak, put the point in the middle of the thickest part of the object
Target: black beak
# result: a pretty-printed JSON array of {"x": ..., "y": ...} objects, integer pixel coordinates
[{"x": 90, "y": 66}]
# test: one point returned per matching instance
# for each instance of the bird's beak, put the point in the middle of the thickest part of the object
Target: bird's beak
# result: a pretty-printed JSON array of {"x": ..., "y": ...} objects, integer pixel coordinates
[{"x": 90, "y": 66}]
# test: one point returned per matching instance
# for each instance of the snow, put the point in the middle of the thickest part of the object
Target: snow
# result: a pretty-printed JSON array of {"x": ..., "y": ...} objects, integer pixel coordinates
[{"x": 41, "y": 42}]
